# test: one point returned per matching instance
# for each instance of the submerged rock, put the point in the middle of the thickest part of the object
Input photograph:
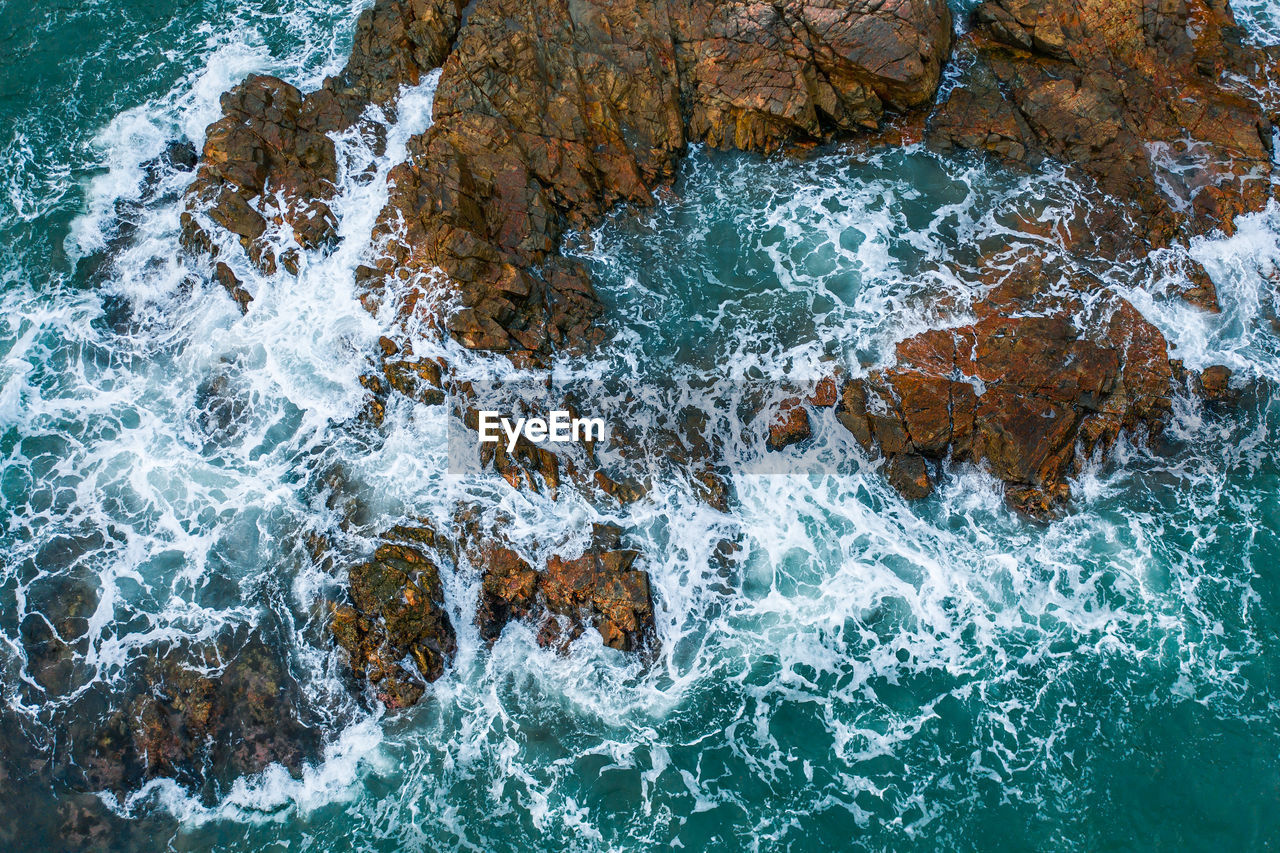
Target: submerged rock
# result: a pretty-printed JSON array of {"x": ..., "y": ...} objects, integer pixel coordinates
[{"x": 201, "y": 715}]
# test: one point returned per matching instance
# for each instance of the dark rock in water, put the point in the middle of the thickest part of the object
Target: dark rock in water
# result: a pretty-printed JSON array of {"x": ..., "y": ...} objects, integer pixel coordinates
[
  {"x": 1131, "y": 94},
  {"x": 181, "y": 155},
  {"x": 418, "y": 379},
  {"x": 231, "y": 283},
  {"x": 117, "y": 312},
  {"x": 53, "y": 631},
  {"x": 604, "y": 584},
  {"x": 219, "y": 404},
  {"x": 201, "y": 715},
  {"x": 1021, "y": 391},
  {"x": 395, "y": 631},
  {"x": 1215, "y": 384},
  {"x": 509, "y": 588},
  {"x": 600, "y": 589},
  {"x": 265, "y": 145}
]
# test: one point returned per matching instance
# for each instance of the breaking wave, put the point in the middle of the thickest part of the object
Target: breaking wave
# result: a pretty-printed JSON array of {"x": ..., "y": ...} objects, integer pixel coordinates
[{"x": 863, "y": 672}]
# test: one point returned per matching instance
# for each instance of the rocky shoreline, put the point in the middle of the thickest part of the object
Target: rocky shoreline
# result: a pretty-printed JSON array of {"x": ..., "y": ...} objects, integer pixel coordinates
[{"x": 548, "y": 114}]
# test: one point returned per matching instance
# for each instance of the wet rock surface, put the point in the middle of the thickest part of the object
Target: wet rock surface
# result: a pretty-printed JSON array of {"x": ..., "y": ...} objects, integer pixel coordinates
[
  {"x": 201, "y": 715},
  {"x": 1215, "y": 384},
  {"x": 549, "y": 113},
  {"x": 1147, "y": 99},
  {"x": 395, "y": 631},
  {"x": 269, "y": 161},
  {"x": 600, "y": 589},
  {"x": 1040, "y": 382},
  {"x": 546, "y": 115}
]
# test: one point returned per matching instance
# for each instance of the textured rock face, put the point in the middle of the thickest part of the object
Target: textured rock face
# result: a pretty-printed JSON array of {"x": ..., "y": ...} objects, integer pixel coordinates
[
  {"x": 269, "y": 161},
  {"x": 1134, "y": 93},
  {"x": 600, "y": 589},
  {"x": 1038, "y": 382},
  {"x": 397, "y": 615},
  {"x": 202, "y": 716},
  {"x": 549, "y": 112}
]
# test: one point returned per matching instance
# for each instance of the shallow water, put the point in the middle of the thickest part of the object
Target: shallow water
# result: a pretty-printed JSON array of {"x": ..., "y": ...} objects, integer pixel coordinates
[{"x": 873, "y": 674}]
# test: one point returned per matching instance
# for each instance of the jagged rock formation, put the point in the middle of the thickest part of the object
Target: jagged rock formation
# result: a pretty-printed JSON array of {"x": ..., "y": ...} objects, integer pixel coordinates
[
  {"x": 397, "y": 615},
  {"x": 1051, "y": 372},
  {"x": 548, "y": 113},
  {"x": 1136, "y": 94},
  {"x": 202, "y": 715},
  {"x": 599, "y": 589},
  {"x": 269, "y": 161}
]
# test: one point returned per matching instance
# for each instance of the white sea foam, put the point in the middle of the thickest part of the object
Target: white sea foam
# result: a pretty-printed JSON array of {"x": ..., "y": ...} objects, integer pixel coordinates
[{"x": 810, "y": 678}]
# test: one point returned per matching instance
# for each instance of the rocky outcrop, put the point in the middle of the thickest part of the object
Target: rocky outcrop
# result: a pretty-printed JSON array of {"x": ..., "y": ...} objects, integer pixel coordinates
[
  {"x": 396, "y": 632},
  {"x": 549, "y": 112},
  {"x": 1050, "y": 372},
  {"x": 600, "y": 589},
  {"x": 200, "y": 715},
  {"x": 1145, "y": 97},
  {"x": 397, "y": 635},
  {"x": 1214, "y": 384},
  {"x": 270, "y": 162}
]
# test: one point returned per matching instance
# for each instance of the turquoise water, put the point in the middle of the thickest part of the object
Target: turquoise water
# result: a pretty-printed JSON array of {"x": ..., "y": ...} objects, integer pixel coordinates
[{"x": 872, "y": 675}]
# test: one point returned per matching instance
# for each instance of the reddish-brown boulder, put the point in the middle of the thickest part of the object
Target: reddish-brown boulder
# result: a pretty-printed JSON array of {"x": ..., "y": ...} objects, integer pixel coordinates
[
  {"x": 1037, "y": 381},
  {"x": 790, "y": 425},
  {"x": 600, "y": 589},
  {"x": 1215, "y": 383},
  {"x": 1130, "y": 93}
]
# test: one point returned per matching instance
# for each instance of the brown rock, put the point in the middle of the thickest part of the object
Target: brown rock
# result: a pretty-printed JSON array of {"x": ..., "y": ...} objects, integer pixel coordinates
[
  {"x": 271, "y": 141},
  {"x": 908, "y": 473},
  {"x": 508, "y": 590},
  {"x": 231, "y": 283},
  {"x": 1215, "y": 383},
  {"x": 417, "y": 379},
  {"x": 604, "y": 585},
  {"x": 397, "y": 613},
  {"x": 1202, "y": 293},
  {"x": 1021, "y": 391},
  {"x": 1128, "y": 92},
  {"x": 549, "y": 113},
  {"x": 201, "y": 715},
  {"x": 600, "y": 589},
  {"x": 790, "y": 425}
]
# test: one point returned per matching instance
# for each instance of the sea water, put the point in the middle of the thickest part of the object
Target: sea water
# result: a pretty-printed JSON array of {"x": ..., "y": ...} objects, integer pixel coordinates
[{"x": 870, "y": 673}]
